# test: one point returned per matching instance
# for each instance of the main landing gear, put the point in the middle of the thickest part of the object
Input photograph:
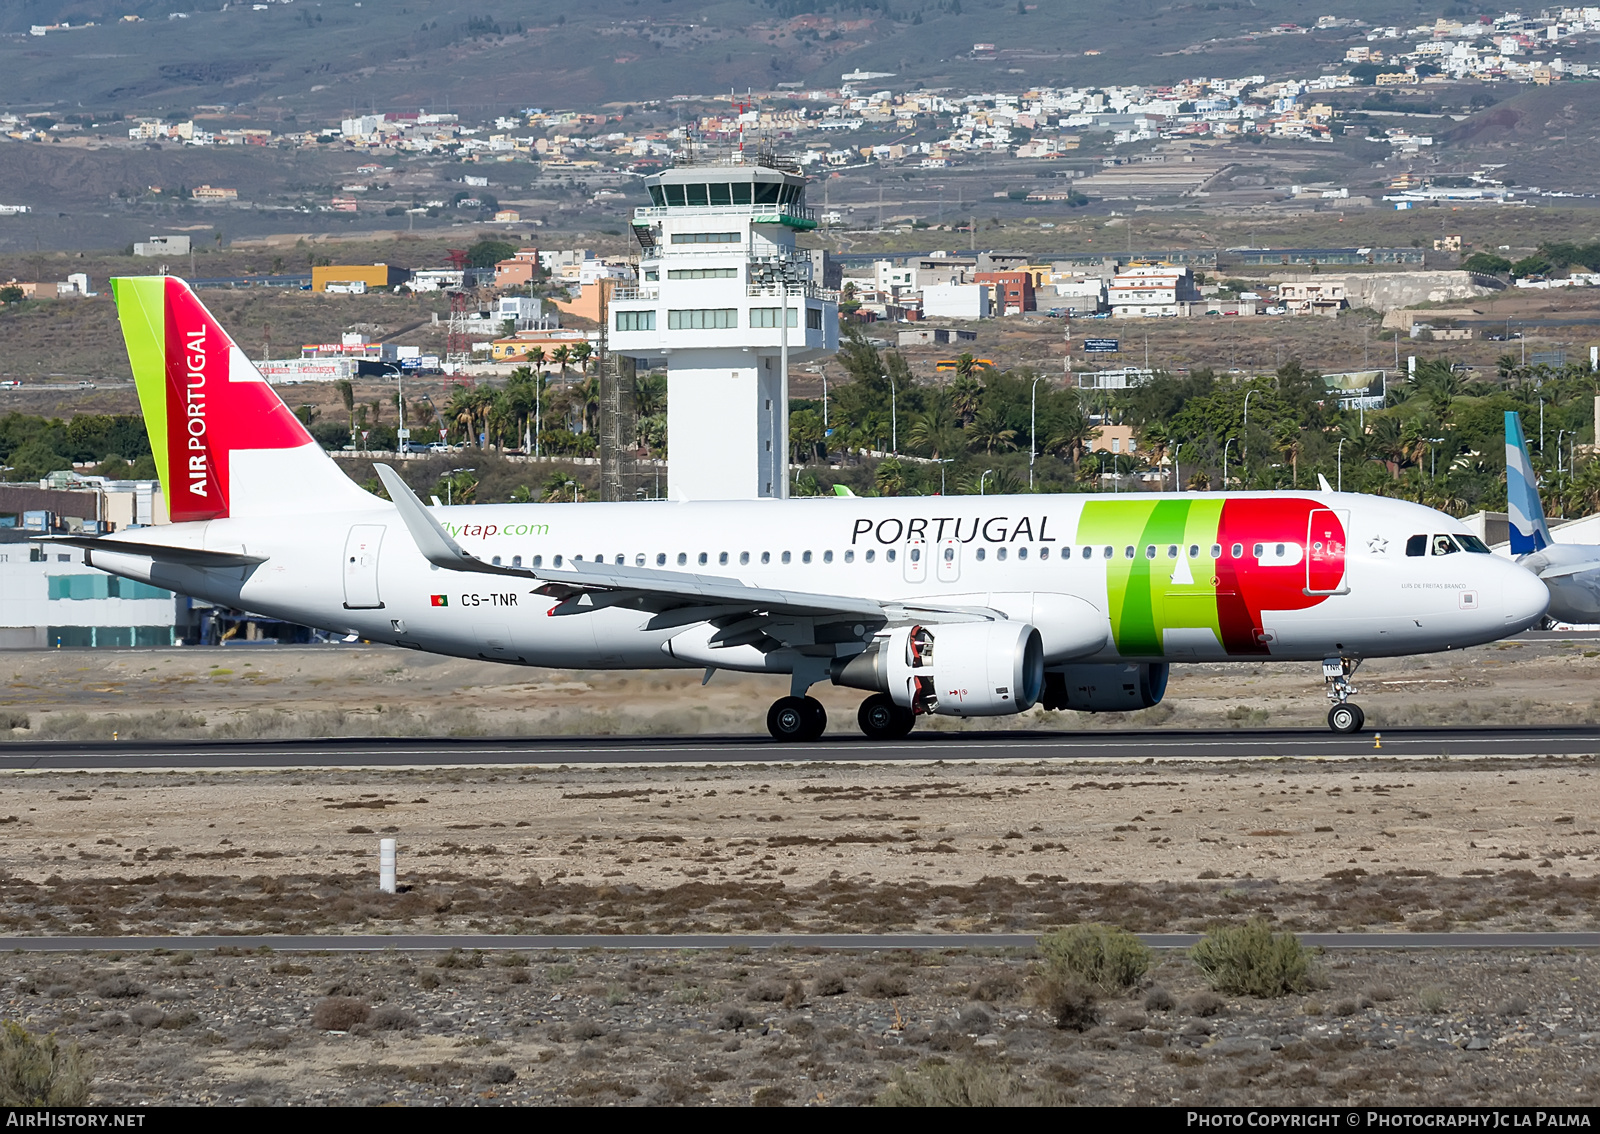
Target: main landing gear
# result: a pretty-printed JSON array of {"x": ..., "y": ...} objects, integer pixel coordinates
[
  {"x": 1343, "y": 717},
  {"x": 881, "y": 719},
  {"x": 797, "y": 718}
]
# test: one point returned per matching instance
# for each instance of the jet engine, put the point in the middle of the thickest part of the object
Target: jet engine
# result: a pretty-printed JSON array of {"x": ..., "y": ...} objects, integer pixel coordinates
[
  {"x": 964, "y": 669},
  {"x": 1105, "y": 688}
]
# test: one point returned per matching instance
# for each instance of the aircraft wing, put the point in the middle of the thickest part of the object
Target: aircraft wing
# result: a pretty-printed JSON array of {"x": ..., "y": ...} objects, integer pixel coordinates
[{"x": 677, "y": 598}]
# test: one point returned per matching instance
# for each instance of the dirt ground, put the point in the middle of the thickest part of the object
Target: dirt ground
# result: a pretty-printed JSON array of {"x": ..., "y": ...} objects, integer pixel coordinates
[
  {"x": 1365, "y": 844},
  {"x": 803, "y": 1028}
]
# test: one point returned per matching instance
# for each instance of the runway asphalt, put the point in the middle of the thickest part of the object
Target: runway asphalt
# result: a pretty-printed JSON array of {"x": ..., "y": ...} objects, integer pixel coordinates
[
  {"x": 422, "y": 942},
  {"x": 843, "y": 747}
]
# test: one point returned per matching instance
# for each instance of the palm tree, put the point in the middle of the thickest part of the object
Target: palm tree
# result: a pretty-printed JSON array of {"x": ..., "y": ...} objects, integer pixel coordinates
[
  {"x": 966, "y": 396},
  {"x": 1069, "y": 435},
  {"x": 988, "y": 431},
  {"x": 347, "y": 395},
  {"x": 561, "y": 356},
  {"x": 560, "y": 487},
  {"x": 580, "y": 353},
  {"x": 934, "y": 431}
]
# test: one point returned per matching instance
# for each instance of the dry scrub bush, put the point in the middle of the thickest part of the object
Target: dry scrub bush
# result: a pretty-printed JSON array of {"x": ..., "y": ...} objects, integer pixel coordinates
[
  {"x": 936, "y": 1083},
  {"x": 40, "y": 1072},
  {"x": 340, "y": 1013},
  {"x": 1069, "y": 1000},
  {"x": 1251, "y": 960},
  {"x": 884, "y": 986},
  {"x": 1105, "y": 957}
]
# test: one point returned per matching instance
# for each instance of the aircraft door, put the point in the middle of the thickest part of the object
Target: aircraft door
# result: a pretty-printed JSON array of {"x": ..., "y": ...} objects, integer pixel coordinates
[
  {"x": 916, "y": 560},
  {"x": 361, "y": 567},
  {"x": 1325, "y": 552},
  {"x": 949, "y": 561}
]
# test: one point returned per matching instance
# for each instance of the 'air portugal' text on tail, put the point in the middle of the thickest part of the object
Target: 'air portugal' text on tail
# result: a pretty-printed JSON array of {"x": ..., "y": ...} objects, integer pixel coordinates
[{"x": 225, "y": 445}]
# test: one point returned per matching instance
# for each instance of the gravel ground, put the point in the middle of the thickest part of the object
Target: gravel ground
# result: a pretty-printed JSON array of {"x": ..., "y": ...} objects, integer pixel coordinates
[{"x": 798, "y": 1028}]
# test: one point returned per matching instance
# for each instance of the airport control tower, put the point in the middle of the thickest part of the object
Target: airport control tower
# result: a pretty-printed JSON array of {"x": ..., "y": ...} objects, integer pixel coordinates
[{"x": 725, "y": 298}]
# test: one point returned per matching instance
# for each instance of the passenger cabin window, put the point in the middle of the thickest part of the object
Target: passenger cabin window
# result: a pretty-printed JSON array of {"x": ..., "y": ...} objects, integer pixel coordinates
[
  {"x": 980, "y": 554},
  {"x": 683, "y": 558},
  {"x": 661, "y": 559},
  {"x": 827, "y": 557},
  {"x": 766, "y": 557},
  {"x": 1417, "y": 545},
  {"x": 558, "y": 561},
  {"x": 1044, "y": 553},
  {"x": 744, "y": 558},
  {"x": 1237, "y": 551},
  {"x": 786, "y": 557},
  {"x": 538, "y": 561},
  {"x": 871, "y": 555},
  {"x": 850, "y": 557},
  {"x": 889, "y": 555},
  {"x": 703, "y": 558},
  {"x": 1000, "y": 554}
]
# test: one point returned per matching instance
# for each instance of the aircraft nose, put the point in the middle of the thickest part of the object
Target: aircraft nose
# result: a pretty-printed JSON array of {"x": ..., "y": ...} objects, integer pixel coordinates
[{"x": 1524, "y": 598}]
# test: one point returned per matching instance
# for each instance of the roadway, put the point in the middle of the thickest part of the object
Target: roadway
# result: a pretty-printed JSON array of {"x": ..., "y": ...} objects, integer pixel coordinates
[
  {"x": 383, "y": 752},
  {"x": 424, "y": 942}
]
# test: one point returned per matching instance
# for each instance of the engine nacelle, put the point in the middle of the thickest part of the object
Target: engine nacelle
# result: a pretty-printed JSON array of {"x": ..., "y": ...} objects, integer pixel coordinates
[
  {"x": 966, "y": 669},
  {"x": 1105, "y": 688}
]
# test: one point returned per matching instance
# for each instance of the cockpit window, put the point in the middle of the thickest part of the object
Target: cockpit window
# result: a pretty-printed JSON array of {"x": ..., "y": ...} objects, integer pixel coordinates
[
  {"x": 1473, "y": 544},
  {"x": 1444, "y": 545},
  {"x": 1417, "y": 545}
]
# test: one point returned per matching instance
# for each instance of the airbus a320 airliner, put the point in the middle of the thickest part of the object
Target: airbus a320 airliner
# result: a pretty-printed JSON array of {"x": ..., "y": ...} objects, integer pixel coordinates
[{"x": 968, "y": 606}]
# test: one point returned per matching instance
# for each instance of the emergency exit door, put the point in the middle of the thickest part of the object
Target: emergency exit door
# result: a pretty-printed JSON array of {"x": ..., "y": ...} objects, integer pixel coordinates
[{"x": 361, "y": 567}]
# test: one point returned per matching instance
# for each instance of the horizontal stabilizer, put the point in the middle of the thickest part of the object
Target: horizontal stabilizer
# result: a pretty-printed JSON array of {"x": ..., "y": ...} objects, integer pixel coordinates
[
  {"x": 189, "y": 556},
  {"x": 1565, "y": 569}
]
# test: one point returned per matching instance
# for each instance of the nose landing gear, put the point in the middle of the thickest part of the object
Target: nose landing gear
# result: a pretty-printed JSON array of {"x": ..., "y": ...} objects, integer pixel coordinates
[
  {"x": 797, "y": 718},
  {"x": 1343, "y": 717}
]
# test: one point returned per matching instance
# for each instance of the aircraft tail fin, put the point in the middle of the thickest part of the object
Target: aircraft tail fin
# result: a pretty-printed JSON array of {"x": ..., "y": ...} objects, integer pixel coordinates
[
  {"x": 1529, "y": 532},
  {"x": 225, "y": 445}
]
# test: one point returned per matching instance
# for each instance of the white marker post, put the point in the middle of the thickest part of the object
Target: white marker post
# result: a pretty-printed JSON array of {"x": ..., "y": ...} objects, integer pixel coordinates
[{"x": 386, "y": 857}]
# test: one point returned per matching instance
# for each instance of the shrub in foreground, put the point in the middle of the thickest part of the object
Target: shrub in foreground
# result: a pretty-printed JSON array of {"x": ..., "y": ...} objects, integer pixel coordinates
[
  {"x": 1105, "y": 957},
  {"x": 937, "y": 1083},
  {"x": 40, "y": 1072},
  {"x": 1251, "y": 960}
]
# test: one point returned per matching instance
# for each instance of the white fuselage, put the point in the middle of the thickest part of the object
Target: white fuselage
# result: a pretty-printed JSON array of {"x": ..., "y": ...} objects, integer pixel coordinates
[{"x": 360, "y": 572}]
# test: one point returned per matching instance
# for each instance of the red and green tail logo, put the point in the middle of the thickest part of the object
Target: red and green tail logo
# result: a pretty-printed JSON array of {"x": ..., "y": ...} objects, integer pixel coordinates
[{"x": 201, "y": 397}]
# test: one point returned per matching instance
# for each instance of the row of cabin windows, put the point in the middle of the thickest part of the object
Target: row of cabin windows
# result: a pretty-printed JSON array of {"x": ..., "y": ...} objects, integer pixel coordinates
[
  {"x": 716, "y": 319},
  {"x": 1151, "y": 551},
  {"x": 728, "y": 193}
]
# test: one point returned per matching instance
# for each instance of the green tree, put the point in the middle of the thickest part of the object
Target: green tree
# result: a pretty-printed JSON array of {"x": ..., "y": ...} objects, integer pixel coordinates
[
  {"x": 1486, "y": 263},
  {"x": 488, "y": 253}
]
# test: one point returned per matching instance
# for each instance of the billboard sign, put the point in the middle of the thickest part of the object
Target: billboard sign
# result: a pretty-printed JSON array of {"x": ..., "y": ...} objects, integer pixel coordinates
[
  {"x": 1101, "y": 346},
  {"x": 1356, "y": 389}
]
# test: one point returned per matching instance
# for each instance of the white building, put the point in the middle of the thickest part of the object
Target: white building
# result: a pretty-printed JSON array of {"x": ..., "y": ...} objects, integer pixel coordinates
[
  {"x": 163, "y": 246},
  {"x": 956, "y": 301},
  {"x": 48, "y": 598},
  {"x": 723, "y": 297},
  {"x": 1152, "y": 290}
]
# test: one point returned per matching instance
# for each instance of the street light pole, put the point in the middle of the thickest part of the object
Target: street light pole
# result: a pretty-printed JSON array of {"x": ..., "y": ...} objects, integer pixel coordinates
[
  {"x": 1340, "y": 481},
  {"x": 1244, "y": 445},
  {"x": 1033, "y": 435},
  {"x": 894, "y": 417},
  {"x": 942, "y": 462},
  {"x": 1225, "y": 464},
  {"x": 982, "y": 478}
]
